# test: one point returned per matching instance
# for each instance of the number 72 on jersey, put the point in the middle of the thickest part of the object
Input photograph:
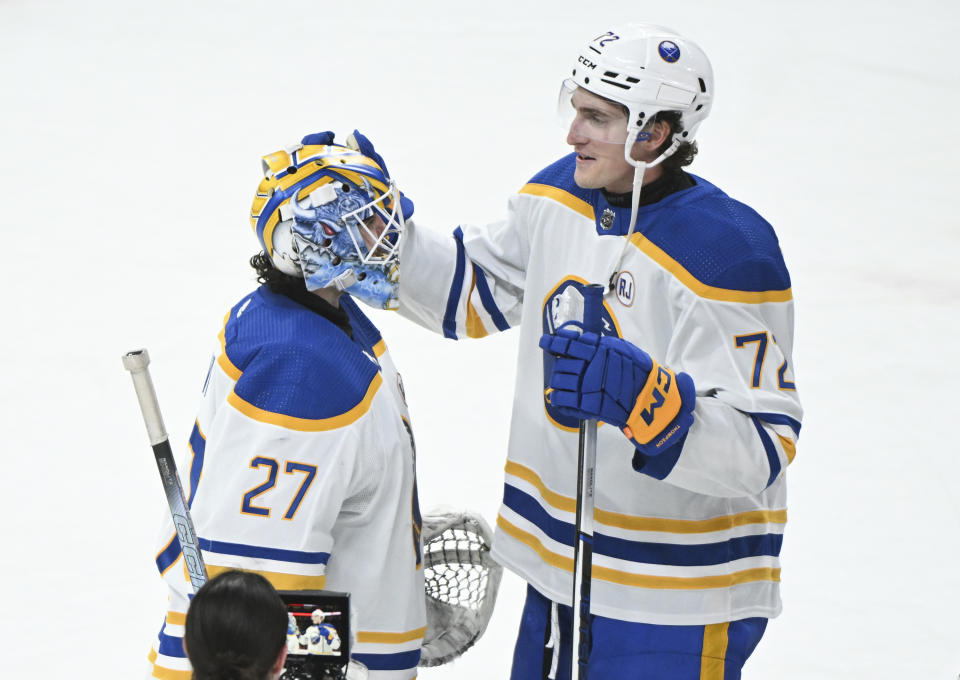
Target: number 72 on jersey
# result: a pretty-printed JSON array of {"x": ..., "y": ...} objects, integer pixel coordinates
[{"x": 761, "y": 340}]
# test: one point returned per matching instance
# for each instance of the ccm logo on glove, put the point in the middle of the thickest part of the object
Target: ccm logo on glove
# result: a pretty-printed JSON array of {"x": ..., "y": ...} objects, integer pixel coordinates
[
  {"x": 657, "y": 405},
  {"x": 610, "y": 379}
]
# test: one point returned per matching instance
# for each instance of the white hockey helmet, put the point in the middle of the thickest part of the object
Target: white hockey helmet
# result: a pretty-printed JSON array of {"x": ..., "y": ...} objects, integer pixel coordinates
[
  {"x": 647, "y": 69},
  {"x": 317, "y": 616}
]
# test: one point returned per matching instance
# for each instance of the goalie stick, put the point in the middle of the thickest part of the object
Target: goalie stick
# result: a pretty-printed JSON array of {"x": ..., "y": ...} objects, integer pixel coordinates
[{"x": 138, "y": 362}]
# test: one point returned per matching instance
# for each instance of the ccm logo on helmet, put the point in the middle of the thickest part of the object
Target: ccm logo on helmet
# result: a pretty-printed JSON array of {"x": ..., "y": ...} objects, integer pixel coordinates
[{"x": 586, "y": 62}]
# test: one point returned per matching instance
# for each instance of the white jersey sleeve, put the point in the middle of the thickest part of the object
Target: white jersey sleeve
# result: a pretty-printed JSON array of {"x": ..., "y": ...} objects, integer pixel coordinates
[
  {"x": 747, "y": 416},
  {"x": 481, "y": 274}
]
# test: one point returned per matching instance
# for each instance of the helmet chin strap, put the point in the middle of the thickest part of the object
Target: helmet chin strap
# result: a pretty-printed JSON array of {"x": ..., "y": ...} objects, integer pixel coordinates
[{"x": 640, "y": 167}]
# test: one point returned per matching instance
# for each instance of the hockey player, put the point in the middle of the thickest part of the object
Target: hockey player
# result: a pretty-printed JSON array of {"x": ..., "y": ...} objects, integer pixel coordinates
[
  {"x": 303, "y": 464},
  {"x": 691, "y": 378},
  {"x": 293, "y": 635},
  {"x": 320, "y": 638}
]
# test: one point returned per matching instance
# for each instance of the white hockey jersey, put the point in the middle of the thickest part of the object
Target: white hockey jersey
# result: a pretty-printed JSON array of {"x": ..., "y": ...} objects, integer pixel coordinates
[
  {"x": 694, "y": 536},
  {"x": 303, "y": 470}
]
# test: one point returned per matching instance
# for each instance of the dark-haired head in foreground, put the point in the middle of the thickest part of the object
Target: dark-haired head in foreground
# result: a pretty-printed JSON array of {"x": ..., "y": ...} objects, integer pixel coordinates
[{"x": 236, "y": 629}]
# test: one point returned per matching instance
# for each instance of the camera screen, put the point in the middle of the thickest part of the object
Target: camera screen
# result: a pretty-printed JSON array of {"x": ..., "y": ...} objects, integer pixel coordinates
[{"x": 318, "y": 631}]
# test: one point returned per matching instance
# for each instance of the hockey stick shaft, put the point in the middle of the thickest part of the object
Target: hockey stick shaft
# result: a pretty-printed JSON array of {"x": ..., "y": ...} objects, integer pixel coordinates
[
  {"x": 583, "y": 547},
  {"x": 138, "y": 362}
]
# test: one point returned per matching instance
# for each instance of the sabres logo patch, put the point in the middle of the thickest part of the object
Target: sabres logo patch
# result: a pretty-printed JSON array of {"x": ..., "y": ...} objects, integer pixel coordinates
[{"x": 669, "y": 51}]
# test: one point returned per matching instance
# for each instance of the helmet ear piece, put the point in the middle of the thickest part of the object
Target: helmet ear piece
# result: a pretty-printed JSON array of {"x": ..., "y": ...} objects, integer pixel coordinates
[{"x": 285, "y": 256}]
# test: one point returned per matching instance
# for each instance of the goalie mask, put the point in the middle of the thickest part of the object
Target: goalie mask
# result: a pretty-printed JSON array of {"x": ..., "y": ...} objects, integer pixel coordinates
[{"x": 331, "y": 215}]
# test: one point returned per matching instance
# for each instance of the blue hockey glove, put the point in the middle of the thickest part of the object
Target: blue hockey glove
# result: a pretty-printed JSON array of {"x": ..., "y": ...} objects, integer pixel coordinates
[
  {"x": 319, "y": 138},
  {"x": 359, "y": 142},
  {"x": 610, "y": 379}
]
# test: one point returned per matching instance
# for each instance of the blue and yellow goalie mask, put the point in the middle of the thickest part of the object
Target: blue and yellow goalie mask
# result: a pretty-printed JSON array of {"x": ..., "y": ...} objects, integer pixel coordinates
[{"x": 331, "y": 215}]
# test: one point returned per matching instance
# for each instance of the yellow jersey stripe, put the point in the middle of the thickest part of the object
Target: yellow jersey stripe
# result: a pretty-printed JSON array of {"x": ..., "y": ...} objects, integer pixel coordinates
[
  {"x": 170, "y": 674},
  {"x": 714, "y": 651},
  {"x": 166, "y": 673},
  {"x": 640, "y": 580},
  {"x": 176, "y": 618},
  {"x": 379, "y": 348},
  {"x": 654, "y": 252},
  {"x": 308, "y": 424},
  {"x": 635, "y": 523},
  {"x": 278, "y": 580},
  {"x": 391, "y": 638},
  {"x": 561, "y": 196},
  {"x": 475, "y": 327},
  {"x": 532, "y": 542},
  {"x": 789, "y": 448},
  {"x": 552, "y": 497}
]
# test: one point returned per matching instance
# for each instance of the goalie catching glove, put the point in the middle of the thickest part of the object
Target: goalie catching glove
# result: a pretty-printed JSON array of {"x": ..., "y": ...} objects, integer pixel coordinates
[
  {"x": 610, "y": 379},
  {"x": 461, "y": 582}
]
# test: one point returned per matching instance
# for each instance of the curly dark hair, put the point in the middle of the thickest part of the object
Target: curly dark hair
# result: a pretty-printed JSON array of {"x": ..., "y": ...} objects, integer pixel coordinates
[
  {"x": 685, "y": 153},
  {"x": 275, "y": 279}
]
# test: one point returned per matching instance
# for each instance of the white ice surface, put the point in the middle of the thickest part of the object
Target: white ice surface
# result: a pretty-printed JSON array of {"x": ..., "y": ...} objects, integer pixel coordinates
[{"x": 130, "y": 137}]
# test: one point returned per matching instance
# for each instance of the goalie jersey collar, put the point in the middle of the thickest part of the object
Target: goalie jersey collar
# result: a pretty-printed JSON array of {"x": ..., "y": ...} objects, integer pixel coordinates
[{"x": 336, "y": 315}]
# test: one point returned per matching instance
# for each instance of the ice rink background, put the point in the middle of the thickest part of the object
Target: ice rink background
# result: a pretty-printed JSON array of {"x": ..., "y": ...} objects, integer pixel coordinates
[{"x": 131, "y": 134}]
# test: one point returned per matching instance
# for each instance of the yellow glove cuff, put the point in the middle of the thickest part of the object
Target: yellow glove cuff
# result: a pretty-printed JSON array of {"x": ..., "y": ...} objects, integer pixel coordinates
[{"x": 657, "y": 405}]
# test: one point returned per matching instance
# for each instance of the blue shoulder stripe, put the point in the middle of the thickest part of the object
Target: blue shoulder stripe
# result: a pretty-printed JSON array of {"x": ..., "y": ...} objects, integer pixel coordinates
[
  {"x": 559, "y": 174},
  {"x": 294, "y": 363}
]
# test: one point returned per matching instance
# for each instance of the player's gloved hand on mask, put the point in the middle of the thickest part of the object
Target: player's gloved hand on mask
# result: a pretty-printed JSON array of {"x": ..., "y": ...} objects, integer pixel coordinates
[
  {"x": 359, "y": 142},
  {"x": 318, "y": 138},
  {"x": 610, "y": 379}
]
